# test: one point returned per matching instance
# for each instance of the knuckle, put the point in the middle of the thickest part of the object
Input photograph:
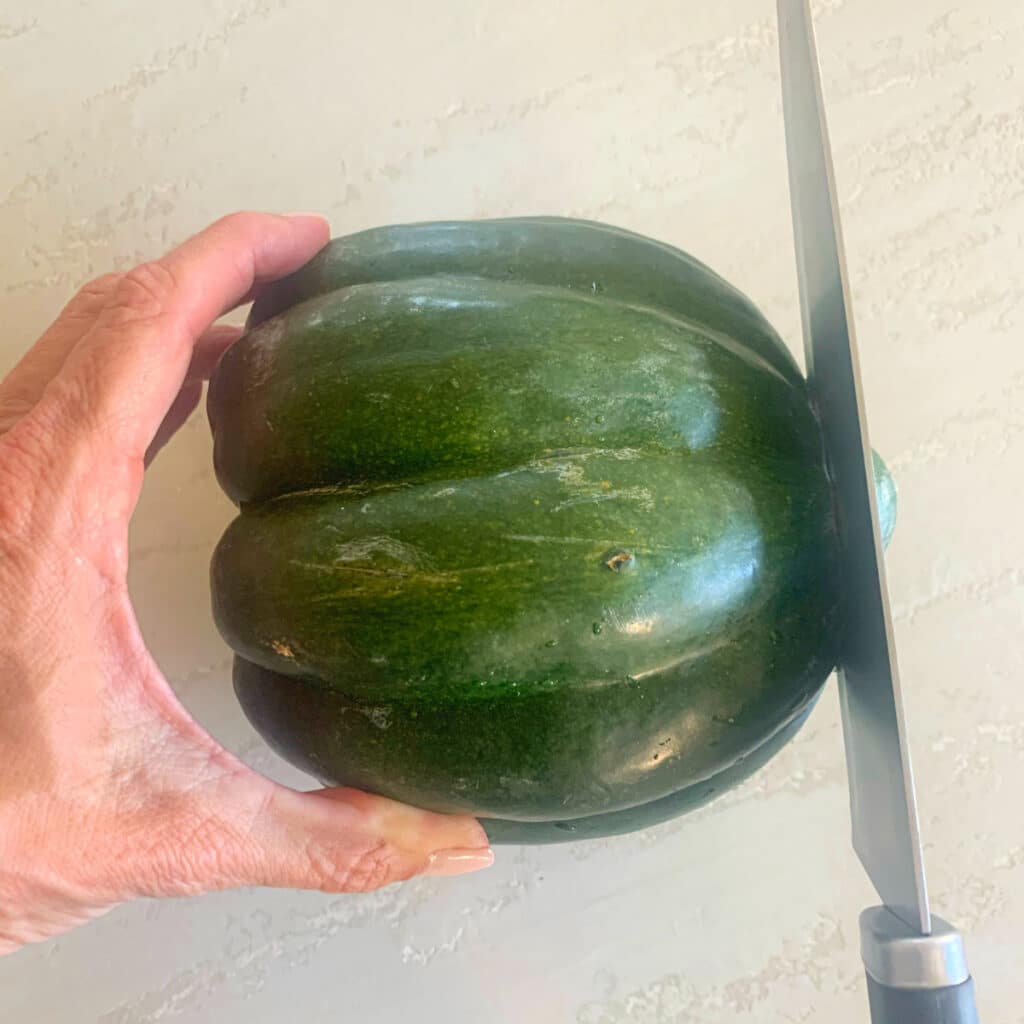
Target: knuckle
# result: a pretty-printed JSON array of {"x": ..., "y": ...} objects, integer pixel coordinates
[
  {"x": 100, "y": 287},
  {"x": 102, "y": 284},
  {"x": 370, "y": 869},
  {"x": 143, "y": 293},
  {"x": 238, "y": 220},
  {"x": 90, "y": 298}
]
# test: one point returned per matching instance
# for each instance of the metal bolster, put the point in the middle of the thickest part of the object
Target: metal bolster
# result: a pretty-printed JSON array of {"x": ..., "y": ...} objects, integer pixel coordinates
[{"x": 898, "y": 957}]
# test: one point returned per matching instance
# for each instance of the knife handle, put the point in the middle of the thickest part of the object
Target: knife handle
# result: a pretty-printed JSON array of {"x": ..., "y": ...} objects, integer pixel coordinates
[
  {"x": 915, "y": 978},
  {"x": 952, "y": 1005}
]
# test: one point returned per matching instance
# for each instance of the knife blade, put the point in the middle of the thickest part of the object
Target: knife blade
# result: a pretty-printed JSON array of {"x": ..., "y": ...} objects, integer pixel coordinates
[
  {"x": 885, "y": 828},
  {"x": 883, "y": 808}
]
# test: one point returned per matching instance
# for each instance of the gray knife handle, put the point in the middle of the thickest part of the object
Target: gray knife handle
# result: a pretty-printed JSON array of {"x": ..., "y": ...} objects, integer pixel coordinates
[
  {"x": 914, "y": 978},
  {"x": 953, "y": 1005}
]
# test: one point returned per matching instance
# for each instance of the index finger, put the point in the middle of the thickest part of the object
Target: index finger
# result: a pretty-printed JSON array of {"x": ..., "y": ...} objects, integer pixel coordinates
[{"x": 120, "y": 380}]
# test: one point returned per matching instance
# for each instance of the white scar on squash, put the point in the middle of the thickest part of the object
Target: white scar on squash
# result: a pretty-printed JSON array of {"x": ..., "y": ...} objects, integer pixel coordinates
[
  {"x": 571, "y": 467},
  {"x": 285, "y": 650},
  {"x": 263, "y": 352},
  {"x": 382, "y": 546},
  {"x": 641, "y": 495}
]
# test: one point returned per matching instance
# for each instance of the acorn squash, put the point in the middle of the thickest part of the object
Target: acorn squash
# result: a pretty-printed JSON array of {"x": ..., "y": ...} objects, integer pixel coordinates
[{"x": 534, "y": 523}]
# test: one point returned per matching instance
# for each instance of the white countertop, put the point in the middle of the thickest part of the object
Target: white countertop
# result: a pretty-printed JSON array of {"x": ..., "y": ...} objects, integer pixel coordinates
[{"x": 126, "y": 126}]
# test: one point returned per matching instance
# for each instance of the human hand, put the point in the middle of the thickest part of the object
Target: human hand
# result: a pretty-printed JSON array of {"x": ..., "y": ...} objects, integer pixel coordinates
[{"x": 109, "y": 790}]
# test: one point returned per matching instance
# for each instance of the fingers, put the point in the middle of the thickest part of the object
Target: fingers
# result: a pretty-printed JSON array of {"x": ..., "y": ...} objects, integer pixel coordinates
[
  {"x": 181, "y": 408},
  {"x": 342, "y": 840},
  {"x": 210, "y": 347},
  {"x": 24, "y": 385},
  {"x": 334, "y": 840},
  {"x": 208, "y": 350},
  {"x": 22, "y": 388},
  {"x": 117, "y": 384}
]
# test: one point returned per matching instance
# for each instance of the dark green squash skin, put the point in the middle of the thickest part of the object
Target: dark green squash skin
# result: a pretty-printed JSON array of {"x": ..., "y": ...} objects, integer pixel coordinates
[
  {"x": 299, "y": 719},
  {"x": 535, "y": 525}
]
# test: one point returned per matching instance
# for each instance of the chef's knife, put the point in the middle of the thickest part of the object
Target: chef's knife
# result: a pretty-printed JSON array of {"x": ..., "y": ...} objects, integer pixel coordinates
[{"x": 915, "y": 963}]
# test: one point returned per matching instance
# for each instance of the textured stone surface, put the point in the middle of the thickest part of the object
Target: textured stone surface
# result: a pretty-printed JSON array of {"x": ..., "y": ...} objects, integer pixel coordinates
[{"x": 126, "y": 126}]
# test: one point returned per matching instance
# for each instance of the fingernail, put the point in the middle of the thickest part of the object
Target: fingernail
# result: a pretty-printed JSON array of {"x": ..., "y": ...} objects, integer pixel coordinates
[
  {"x": 304, "y": 215},
  {"x": 458, "y": 862}
]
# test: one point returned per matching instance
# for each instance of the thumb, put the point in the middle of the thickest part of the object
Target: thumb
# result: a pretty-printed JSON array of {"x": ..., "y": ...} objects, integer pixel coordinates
[
  {"x": 343, "y": 840},
  {"x": 332, "y": 840}
]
